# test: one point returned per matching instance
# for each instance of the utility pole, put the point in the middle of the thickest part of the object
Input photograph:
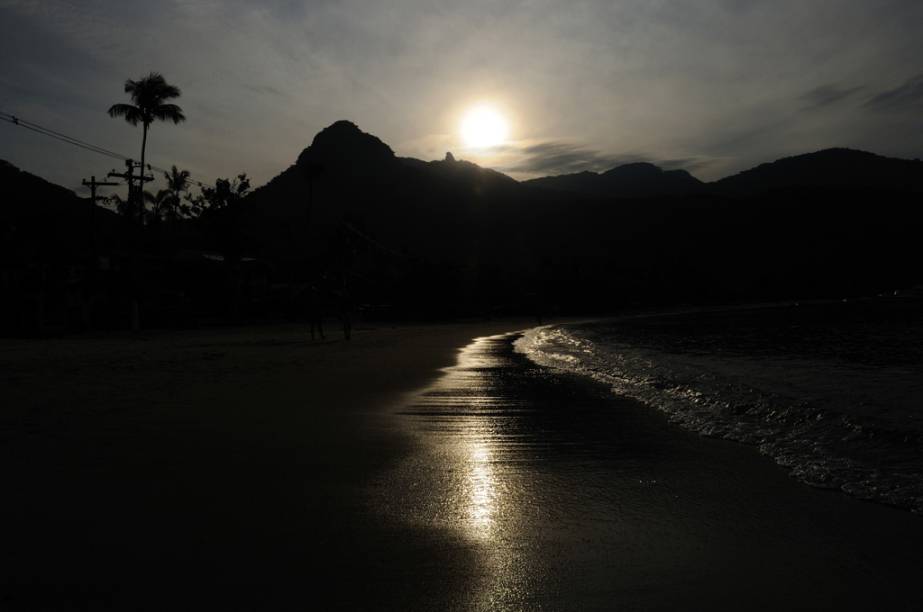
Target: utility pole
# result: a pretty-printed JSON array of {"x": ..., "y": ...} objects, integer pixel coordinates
[
  {"x": 93, "y": 184},
  {"x": 134, "y": 194}
]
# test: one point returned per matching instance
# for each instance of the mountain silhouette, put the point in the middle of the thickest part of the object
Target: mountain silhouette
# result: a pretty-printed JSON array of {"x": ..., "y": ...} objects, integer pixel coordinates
[
  {"x": 47, "y": 220},
  {"x": 469, "y": 234},
  {"x": 347, "y": 175},
  {"x": 827, "y": 169},
  {"x": 25, "y": 188},
  {"x": 638, "y": 180},
  {"x": 344, "y": 144},
  {"x": 448, "y": 237}
]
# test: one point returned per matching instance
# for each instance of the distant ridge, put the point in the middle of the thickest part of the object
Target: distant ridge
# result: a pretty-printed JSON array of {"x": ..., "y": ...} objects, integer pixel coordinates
[
  {"x": 445, "y": 237},
  {"x": 638, "y": 180},
  {"x": 837, "y": 168},
  {"x": 343, "y": 149},
  {"x": 341, "y": 153},
  {"x": 53, "y": 217},
  {"x": 35, "y": 188},
  {"x": 826, "y": 169}
]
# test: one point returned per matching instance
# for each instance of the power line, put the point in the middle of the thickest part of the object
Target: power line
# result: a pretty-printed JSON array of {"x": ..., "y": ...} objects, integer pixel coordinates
[
  {"x": 59, "y": 136},
  {"x": 13, "y": 119}
]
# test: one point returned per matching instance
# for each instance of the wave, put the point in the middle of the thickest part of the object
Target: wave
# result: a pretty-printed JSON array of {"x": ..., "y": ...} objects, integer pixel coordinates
[{"x": 812, "y": 417}]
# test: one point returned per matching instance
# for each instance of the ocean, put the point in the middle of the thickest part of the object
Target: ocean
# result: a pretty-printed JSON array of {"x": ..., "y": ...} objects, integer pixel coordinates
[{"x": 832, "y": 391}]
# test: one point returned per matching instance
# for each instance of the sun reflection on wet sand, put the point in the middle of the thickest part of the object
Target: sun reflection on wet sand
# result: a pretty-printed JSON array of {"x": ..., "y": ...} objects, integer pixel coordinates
[
  {"x": 476, "y": 410},
  {"x": 465, "y": 423},
  {"x": 482, "y": 491},
  {"x": 538, "y": 492},
  {"x": 468, "y": 481}
]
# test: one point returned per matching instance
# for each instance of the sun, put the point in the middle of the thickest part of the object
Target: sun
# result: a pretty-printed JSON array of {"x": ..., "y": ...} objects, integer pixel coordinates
[{"x": 483, "y": 127}]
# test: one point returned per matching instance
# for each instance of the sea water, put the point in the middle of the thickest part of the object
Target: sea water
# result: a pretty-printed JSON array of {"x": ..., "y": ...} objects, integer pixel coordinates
[{"x": 833, "y": 392}]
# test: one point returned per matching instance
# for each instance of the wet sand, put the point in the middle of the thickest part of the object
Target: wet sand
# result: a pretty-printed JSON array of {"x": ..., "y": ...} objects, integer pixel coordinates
[
  {"x": 253, "y": 469},
  {"x": 580, "y": 500}
]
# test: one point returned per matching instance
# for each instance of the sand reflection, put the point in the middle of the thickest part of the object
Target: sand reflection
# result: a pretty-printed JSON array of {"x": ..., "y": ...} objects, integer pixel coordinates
[
  {"x": 481, "y": 491},
  {"x": 464, "y": 420},
  {"x": 468, "y": 482}
]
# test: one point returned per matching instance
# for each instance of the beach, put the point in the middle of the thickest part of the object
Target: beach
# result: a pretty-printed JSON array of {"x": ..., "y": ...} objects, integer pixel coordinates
[
  {"x": 216, "y": 468},
  {"x": 415, "y": 467},
  {"x": 831, "y": 390}
]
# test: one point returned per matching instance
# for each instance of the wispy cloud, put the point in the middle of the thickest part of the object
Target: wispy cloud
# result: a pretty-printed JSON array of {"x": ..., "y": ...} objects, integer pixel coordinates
[
  {"x": 560, "y": 157},
  {"x": 828, "y": 95},
  {"x": 690, "y": 164},
  {"x": 267, "y": 90},
  {"x": 702, "y": 86},
  {"x": 557, "y": 157},
  {"x": 908, "y": 96}
]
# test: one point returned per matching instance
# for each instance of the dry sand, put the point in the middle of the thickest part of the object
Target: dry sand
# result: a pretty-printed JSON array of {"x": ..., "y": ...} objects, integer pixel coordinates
[{"x": 220, "y": 466}]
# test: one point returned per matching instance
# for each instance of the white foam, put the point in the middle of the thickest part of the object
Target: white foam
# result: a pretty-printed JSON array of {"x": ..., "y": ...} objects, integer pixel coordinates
[{"x": 800, "y": 413}]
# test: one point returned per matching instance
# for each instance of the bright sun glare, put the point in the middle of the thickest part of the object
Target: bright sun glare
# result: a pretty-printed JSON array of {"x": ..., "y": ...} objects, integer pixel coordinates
[{"x": 483, "y": 127}]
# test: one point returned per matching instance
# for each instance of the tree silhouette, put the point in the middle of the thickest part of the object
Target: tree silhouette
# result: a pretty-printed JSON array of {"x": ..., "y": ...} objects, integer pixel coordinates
[
  {"x": 177, "y": 185},
  {"x": 219, "y": 209},
  {"x": 226, "y": 194},
  {"x": 149, "y": 96},
  {"x": 126, "y": 208},
  {"x": 160, "y": 204}
]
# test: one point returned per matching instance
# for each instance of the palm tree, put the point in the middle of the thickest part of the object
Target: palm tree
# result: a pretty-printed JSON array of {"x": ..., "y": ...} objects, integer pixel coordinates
[
  {"x": 177, "y": 180},
  {"x": 149, "y": 96},
  {"x": 123, "y": 207},
  {"x": 177, "y": 184},
  {"x": 160, "y": 204}
]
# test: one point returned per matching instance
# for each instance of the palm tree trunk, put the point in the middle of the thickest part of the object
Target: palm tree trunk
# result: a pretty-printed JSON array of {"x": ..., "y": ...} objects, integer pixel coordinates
[
  {"x": 135, "y": 314},
  {"x": 141, "y": 179}
]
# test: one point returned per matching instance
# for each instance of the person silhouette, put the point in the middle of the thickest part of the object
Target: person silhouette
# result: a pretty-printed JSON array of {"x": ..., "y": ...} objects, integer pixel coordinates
[
  {"x": 346, "y": 309},
  {"x": 315, "y": 313}
]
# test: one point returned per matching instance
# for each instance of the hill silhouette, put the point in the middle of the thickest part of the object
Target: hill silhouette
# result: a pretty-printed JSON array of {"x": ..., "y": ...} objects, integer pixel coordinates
[
  {"x": 46, "y": 221},
  {"x": 638, "y": 180},
  {"x": 448, "y": 237},
  {"x": 827, "y": 169},
  {"x": 473, "y": 235},
  {"x": 349, "y": 175}
]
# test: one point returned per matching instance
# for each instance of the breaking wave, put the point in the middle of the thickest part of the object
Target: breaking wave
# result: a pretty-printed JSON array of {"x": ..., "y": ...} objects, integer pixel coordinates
[{"x": 833, "y": 425}]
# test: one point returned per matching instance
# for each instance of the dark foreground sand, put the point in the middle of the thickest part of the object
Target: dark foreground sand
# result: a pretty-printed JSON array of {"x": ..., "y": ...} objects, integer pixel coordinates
[
  {"x": 252, "y": 469},
  {"x": 218, "y": 467}
]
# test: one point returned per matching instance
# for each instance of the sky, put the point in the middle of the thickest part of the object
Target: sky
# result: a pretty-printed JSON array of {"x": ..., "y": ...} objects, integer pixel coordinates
[{"x": 712, "y": 86}]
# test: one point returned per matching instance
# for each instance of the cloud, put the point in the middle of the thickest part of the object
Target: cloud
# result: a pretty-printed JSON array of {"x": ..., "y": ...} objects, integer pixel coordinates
[
  {"x": 556, "y": 157},
  {"x": 690, "y": 164},
  {"x": 707, "y": 85},
  {"x": 908, "y": 96},
  {"x": 827, "y": 95},
  {"x": 267, "y": 90}
]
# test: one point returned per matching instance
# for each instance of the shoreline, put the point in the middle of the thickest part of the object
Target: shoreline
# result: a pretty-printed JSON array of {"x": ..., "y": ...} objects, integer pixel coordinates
[
  {"x": 840, "y": 417},
  {"x": 256, "y": 470},
  {"x": 574, "y": 498}
]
